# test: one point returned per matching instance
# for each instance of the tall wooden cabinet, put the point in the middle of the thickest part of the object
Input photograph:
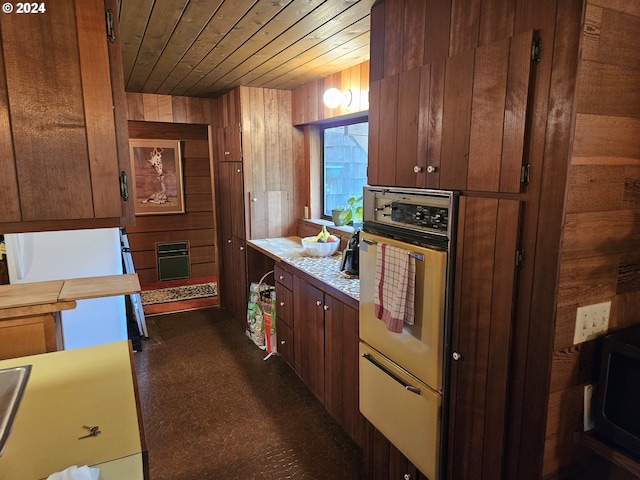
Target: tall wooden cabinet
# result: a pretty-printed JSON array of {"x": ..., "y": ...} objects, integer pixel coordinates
[
  {"x": 256, "y": 184},
  {"x": 62, "y": 107}
]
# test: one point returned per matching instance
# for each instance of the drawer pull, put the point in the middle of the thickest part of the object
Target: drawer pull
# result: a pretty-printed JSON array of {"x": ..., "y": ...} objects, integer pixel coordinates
[
  {"x": 407, "y": 386},
  {"x": 281, "y": 277}
]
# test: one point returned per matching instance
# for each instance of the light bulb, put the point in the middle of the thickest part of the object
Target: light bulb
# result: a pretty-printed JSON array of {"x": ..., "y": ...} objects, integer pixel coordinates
[{"x": 332, "y": 98}]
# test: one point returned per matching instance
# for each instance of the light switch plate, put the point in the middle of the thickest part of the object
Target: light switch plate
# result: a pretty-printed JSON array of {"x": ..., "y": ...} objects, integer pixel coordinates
[{"x": 591, "y": 321}]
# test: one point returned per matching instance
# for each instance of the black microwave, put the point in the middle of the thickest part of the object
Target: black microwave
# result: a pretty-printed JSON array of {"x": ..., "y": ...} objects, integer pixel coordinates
[{"x": 616, "y": 401}]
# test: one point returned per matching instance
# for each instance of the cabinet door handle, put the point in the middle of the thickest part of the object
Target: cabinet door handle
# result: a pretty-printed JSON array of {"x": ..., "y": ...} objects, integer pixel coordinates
[
  {"x": 241, "y": 248},
  {"x": 281, "y": 277},
  {"x": 431, "y": 169},
  {"x": 282, "y": 342},
  {"x": 325, "y": 307},
  {"x": 417, "y": 169},
  {"x": 318, "y": 302},
  {"x": 282, "y": 304},
  {"x": 124, "y": 188},
  {"x": 227, "y": 153},
  {"x": 456, "y": 356}
]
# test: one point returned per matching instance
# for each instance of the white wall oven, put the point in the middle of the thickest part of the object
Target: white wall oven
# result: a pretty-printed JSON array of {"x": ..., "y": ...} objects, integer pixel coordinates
[{"x": 406, "y": 280}]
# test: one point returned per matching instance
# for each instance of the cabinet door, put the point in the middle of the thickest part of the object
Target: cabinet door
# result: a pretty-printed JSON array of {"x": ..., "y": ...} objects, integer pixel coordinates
[
  {"x": 229, "y": 143},
  {"x": 240, "y": 288},
  {"x": 231, "y": 197},
  {"x": 481, "y": 337},
  {"x": 308, "y": 331},
  {"x": 341, "y": 365},
  {"x": 60, "y": 158},
  {"x": 459, "y": 123}
]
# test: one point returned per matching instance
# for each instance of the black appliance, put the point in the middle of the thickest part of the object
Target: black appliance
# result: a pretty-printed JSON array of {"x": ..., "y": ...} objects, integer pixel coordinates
[
  {"x": 617, "y": 393},
  {"x": 351, "y": 255}
]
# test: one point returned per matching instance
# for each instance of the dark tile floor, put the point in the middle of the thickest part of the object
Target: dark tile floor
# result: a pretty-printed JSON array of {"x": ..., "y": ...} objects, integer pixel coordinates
[{"x": 214, "y": 409}]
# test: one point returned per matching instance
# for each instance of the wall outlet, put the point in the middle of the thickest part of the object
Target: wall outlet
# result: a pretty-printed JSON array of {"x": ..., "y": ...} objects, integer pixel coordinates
[
  {"x": 587, "y": 419},
  {"x": 591, "y": 321}
]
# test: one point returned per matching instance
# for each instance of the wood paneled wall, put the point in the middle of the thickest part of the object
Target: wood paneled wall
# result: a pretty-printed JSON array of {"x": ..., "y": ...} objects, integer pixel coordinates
[
  {"x": 600, "y": 259},
  {"x": 187, "y": 119},
  {"x": 307, "y": 99}
]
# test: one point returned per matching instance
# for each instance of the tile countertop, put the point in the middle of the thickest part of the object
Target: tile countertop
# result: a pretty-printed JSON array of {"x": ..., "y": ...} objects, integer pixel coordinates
[{"x": 325, "y": 269}]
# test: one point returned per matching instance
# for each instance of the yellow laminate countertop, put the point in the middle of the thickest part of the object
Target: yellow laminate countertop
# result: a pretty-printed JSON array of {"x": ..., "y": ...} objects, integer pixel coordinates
[{"x": 67, "y": 391}]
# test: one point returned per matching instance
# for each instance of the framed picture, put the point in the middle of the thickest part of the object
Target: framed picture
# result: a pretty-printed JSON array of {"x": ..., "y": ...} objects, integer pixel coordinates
[{"x": 157, "y": 172}]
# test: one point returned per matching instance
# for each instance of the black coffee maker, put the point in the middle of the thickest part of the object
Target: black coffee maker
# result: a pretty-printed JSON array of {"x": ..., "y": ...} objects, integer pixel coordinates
[{"x": 350, "y": 257}]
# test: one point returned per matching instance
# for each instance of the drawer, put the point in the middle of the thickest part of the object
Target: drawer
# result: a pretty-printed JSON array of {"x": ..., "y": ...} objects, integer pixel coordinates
[
  {"x": 284, "y": 304},
  {"x": 409, "y": 416},
  {"x": 284, "y": 336},
  {"x": 285, "y": 278}
]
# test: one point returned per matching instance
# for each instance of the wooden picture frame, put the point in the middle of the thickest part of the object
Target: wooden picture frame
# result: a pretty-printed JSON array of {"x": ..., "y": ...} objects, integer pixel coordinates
[{"x": 158, "y": 187}]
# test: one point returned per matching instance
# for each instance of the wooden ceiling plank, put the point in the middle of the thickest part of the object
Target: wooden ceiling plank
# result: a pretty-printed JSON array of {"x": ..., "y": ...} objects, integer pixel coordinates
[
  {"x": 339, "y": 58},
  {"x": 259, "y": 15},
  {"x": 194, "y": 20},
  {"x": 162, "y": 22},
  {"x": 307, "y": 33},
  {"x": 354, "y": 56},
  {"x": 133, "y": 23},
  {"x": 262, "y": 44},
  {"x": 218, "y": 27},
  {"x": 328, "y": 45}
]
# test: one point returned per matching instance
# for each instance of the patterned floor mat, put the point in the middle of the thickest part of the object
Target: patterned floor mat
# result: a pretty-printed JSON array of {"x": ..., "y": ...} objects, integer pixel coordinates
[{"x": 177, "y": 294}]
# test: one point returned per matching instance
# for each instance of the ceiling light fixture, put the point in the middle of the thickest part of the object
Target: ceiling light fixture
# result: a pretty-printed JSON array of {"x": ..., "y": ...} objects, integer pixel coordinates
[{"x": 333, "y": 98}]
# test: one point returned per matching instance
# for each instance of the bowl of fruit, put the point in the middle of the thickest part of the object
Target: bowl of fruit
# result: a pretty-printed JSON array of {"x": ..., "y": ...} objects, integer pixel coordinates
[{"x": 321, "y": 245}]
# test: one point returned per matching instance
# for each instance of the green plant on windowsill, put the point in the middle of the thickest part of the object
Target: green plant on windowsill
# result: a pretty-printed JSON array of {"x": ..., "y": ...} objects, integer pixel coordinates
[{"x": 343, "y": 215}]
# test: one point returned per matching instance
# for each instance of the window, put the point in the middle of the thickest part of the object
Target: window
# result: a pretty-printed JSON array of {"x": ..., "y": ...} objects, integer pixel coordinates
[{"x": 345, "y": 150}]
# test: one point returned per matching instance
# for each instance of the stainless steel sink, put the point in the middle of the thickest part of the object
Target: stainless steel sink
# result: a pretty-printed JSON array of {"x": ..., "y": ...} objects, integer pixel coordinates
[{"x": 12, "y": 384}]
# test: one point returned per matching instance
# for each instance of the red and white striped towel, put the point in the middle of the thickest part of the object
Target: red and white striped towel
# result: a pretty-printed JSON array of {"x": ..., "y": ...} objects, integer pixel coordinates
[{"x": 395, "y": 287}]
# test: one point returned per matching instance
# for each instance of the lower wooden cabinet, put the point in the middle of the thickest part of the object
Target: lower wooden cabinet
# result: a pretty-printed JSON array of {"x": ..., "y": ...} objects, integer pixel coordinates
[{"x": 27, "y": 336}]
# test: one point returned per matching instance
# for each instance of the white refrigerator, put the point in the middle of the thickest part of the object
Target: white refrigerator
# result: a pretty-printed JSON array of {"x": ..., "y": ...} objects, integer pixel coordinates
[{"x": 42, "y": 256}]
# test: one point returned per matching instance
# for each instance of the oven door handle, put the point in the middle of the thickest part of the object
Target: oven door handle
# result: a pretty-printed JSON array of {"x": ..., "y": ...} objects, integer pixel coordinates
[
  {"x": 417, "y": 256},
  {"x": 407, "y": 386}
]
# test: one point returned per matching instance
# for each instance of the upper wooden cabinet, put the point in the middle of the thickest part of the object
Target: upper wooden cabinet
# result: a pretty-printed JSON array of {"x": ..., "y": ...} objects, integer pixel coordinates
[
  {"x": 229, "y": 128},
  {"x": 458, "y": 123},
  {"x": 63, "y": 148}
]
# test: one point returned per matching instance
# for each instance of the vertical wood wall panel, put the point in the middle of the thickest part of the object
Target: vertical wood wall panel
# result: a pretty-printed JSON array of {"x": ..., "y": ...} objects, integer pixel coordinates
[
  {"x": 408, "y": 113},
  {"x": 307, "y": 102},
  {"x": 487, "y": 116},
  {"x": 605, "y": 144},
  {"x": 437, "y": 30},
  {"x": 9, "y": 195},
  {"x": 393, "y": 34},
  {"x": 456, "y": 120},
  {"x": 465, "y": 25},
  {"x": 413, "y": 35}
]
